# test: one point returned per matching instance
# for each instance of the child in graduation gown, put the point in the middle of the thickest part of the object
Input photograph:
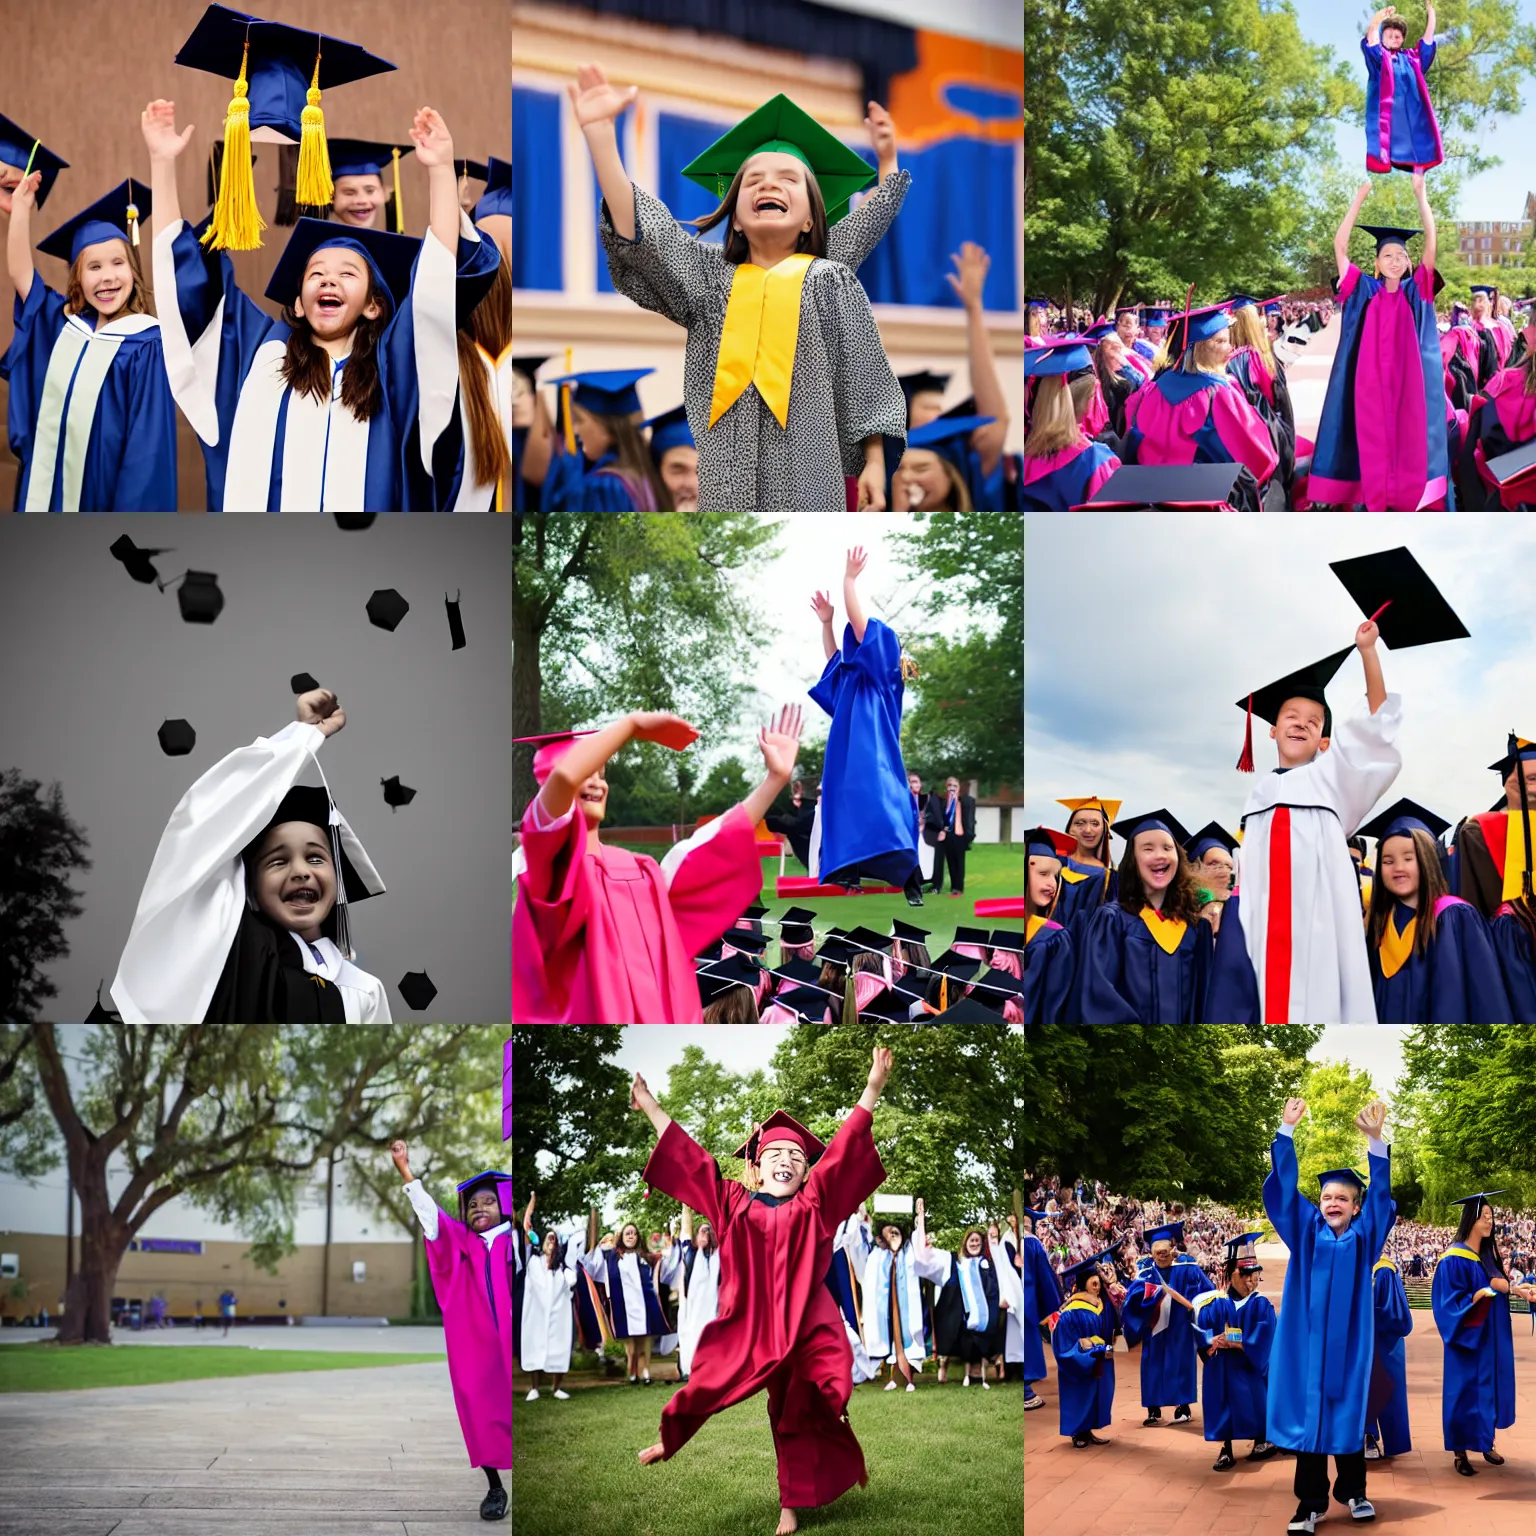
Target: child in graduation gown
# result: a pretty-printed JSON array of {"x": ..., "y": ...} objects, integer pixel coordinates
[
  {"x": 1316, "y": 1404},
  {"x": 863, "y": 821},
  {"x": 1083, "y": 1342},
  {"x": 90, "y": 415},
  {"x": 1157, "y": 1318},
  {"x": 1381, "y": 440},
  {"x": 1086, "y": 881},
  {"x": 778, "y": 1327},
  {"x": 312, "y": 413},
  {"x": 787, "y": 385},
  {"x": 1292, "y": 945},
  {"x": 243, "y": 918},
  {"x": 610, "y": 469},
  {"x": 470, "y": 1261},
  {"x": 636, "y": 1303},
  {"x": 1400, "y": 127},
  {"x": 893, "y": 1307},
  {"x": 547, "y": 1317},
  {"x": 1237, "y": 1327},
  {"x": 1508, "y": 421},
  {"x": 1063, "y": 466},
  {"x": 1145, "y": 957},
  {"x": 1050, "y": 960},
  {"x": 1386, "y": 1404},
  {"x": 604, "y": 936},
  {"x": 1432, "y": 959},
  {"x": 693, "y": 1265},
  {"x": 1471, "y": 1302}
]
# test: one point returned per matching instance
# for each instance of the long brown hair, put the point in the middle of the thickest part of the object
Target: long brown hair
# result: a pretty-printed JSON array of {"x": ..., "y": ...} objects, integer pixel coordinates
[
  {"x": 1182, "y": 898},
  {"x": 812, "y": 242},
  {"x": 1528, "y": 368},
  {"x": 1054, "y": 423},
  {"x": 138, "y": 303},
  {"x": 1432, "y": 887},
  {"x": 489, "y": 329},
  {"x": 736, "y": 1005},
  {"x": 634, "y": 456},
  {"x": 308, "y": 368}
]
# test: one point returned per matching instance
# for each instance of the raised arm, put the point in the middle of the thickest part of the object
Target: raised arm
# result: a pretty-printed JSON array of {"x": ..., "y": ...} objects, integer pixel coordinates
[
  {"x": 779, "y": 742},
  {"x": 597, "y": 106},
  {"x": 1373, "y": 31},
  {"x": 879, "y": 1070},
  {"x": 158, "y": 122},
  {"x": 857, "y": 560},
  {"x": 18, "y": 237},
  {"x": 1341, "y": 238},
  {"x": 1427, "y": 216},
  {"x": 434, "y": 150},
  {"x": 1375, "y": 687},
  {"x": 969, "y": 280},
  {"x": 1429, "y": 24},
  {"x": 821, "y": 606},
  {"x": 588, "y": 753},
  {"x": 641, "y": 1098}
]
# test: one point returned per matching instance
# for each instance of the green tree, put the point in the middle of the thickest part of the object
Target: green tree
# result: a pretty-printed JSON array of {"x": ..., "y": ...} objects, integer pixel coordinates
[
  {"x": 726, "y": 784},
  {"x": 1327, "y": 1137}
]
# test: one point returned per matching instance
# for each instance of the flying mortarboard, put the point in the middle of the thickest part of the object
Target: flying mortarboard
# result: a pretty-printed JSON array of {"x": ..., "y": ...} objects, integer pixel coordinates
[
  {"x": 199, "y": 597},
  {"x": 1151, "y": 821},
  {"x": 137, "y": 562},
  {"x": 669, "y": 430},
  {"x": 1394, "y": 588},
  {"x": 389, "y": 257},
  {"x": 1170, "y": 487},
  {"x": 605, "y": 392},
  {"x": 781, "y": 126},
  {"x": 114, "y": 217},
  {"x": 1211, "y": 835},
  {"x": 780, "y": 1126},
  {"x": 17, "y": 148},
  {"x": 302, "y": 682},
  {"x": 417, "y": 990},
  {"x": 1309, "y": 682},
  {"x": 396, "y": 794},
  {"x": 498, "y": 190},
  {"x": 1402, "y": 818},
  {"x": 455, "y": 621},
  {"x": 177, "y": 738},
  {"x": 549, "y": 749},
  {"x": 386, "y": 608}
]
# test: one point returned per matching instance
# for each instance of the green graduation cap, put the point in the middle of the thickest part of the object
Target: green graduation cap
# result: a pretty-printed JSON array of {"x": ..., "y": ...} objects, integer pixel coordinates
[{"x": 780, "y": 125}]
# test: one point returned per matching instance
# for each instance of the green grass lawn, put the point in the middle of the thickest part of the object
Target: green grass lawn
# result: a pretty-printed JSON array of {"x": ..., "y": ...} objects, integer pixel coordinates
[
  {"x": 48, "y": 1368},
  {"x": 943, "y": 1459}
]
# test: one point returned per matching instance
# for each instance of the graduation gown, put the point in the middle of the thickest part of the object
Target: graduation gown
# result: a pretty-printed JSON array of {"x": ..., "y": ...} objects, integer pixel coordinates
[
  {"x": 1085, "y": 1379},
  {"x": 778, "y": 1326},
  {"x": 545, "y": 1336},
  {"x": 891, "y": 1285},
  {"x": 1236, "y": 1380},
  {"x": 1326, "y": 1333},
  {"x": 578, "y": 484},
  {"x": 866, "y": 807},
  {"x": 1081, "y": 890},
  {"x": 1197, "y": 418},
  {"x": 1042, "y": 1297},
  {"x": 1456, "y": 981},
  {"x": 1478, "y": 1385},
  {"x": 1267, "y": 393},
  {"x": 697, "y": 1277},
  {"x": 1298, "y": 820},
  {"x": 182, "y": 952},
  {"x": 520, "y": 1247},
  {"x": 1508, "y": 421},
  {"x": 1141, "y": 970},
  {"x": 1386, "y": 1403},
  {"x": 448, "y": 488},
  {"x": 1517, "y": 965},
  {"x": 1165, "y": 1331},
  {"x": 267, "y": 449},
  {"x": 89, "y": 413},
  {"x": 604, "y": 936},
  {"x": 636, "y": 1307},
  {"x": 1057, "y": 482},
  {"x": 850, "y": 1252},
  {"x": 842, "y": 389},
  {"x": 1400, "y": 127},
  {"x": 1381, "y": 440},
  {"x": 1050, "y": 964},
  {"x": 1478, "y": 857},
  {"x": 967, "y": 1319}
]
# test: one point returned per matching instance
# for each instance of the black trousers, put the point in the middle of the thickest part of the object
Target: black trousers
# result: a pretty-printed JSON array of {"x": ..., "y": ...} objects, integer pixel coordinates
[
  {"x": 1311, "y": 1483},
  {"x": 951, "y": 852}
]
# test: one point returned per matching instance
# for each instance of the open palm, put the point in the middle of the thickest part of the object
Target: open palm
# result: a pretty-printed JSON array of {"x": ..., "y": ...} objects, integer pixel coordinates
[
  {"x": 594, "y": 100},
  {"x": 779, "y": 741}
]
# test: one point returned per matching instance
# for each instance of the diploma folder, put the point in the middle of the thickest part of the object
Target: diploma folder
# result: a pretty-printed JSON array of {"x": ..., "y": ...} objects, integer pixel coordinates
[
  {"x": 1513, "y": 465},
  {"x": 1169, "y": 487}
]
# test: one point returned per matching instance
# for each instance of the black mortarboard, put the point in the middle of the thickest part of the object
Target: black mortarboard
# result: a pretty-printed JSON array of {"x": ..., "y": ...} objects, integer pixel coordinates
[
  {"x": 396, "y": 794},
  {"x": 968, "y": 1011},
  {"x": 990, "y": 995},
  {"x": 1175, "y": 487},
  {"x": 1518, "y": 749},
  {"x": 177, "y": 738},
  {"x": 721, "y": 975},
  {"x": 100, "y": 1013},
  {"x": 1388, "y": 234},
  {"x": 969, "y": 936},
  {"x": 711, "y": 952},
  {"x": 417, "y": 990},
  {"x": 136, "y": 561},
  {"x": 909, "y": 933},
  {"x": 803, "y": 973},
  {"x": 958, "y": 967},
  {"x": 312, "y": 803},
  {"x": 836, "y": 949},
  {"x": 354, "y": 520},
  {"x": 1211, "y": 835},
  {"x": 386, "y": 608},
  {"x": 755, "y": 911},
  {"x": 795, "y": 926},
  {"x": 302, "y": 682},
  {"x": 199, "y": 597},
  {"x": 922, "y": 381},
  {"x": 888, "y": 1003},
  {"x": 1006, "y": 939},
  {"x": 455, "y": 621},
  {"x": 1151, "y": 821},
  {"x": 867, "y": 939},
  {"x": 530, "y": 363},
  {"x": 966, "y": 407},
  {"x": 1307, "y": 682},
  {"x": 1507, "y": 467},
  {"x": 16, "y": 150},
  {"x": 745, "y": 939},
  {"x": 1394, "y": 587},
  {"x": 808, "y": 1003},
  {"x": 1403, "y": 817}
]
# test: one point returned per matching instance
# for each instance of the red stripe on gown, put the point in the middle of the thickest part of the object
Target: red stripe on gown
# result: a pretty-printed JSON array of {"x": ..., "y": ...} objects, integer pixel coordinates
[{"x": 1277, "y": 933}]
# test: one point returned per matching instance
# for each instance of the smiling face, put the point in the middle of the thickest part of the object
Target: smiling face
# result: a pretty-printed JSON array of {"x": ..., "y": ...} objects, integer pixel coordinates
[
  {"x": 1157, "y": 859},
  {"x": 920, "y": 483},
  {"x": 105, "y": 276},
  {"x": 595, "y": 437},
  {"x": 1400, "y": 866},
  {"x": 1483, "y": 1226},
  {"x": 1392, "y": 261},
  {"x": 551, "y": 1242},
  {"x": 1338, "y": 1203},
  {"x": 972, "y": 1248},
  {"x": 335, "y": 293},
  {"x": 292, "y": 879},
  {"x": 773, "y": 206},
  {"x": 1088, "y": 828},
  {"x": 680, "y": 475},
  {"x": 357, "y": 201},
  {"x": 483, "y": 1211},
  {"x": 782, "y": 1167},
  {"x": 1044, "y": 874},
  {"x": 592, "y": 797},
  {"x": 1298, "y": 732},
  {"x": 629, "y": 1238}
]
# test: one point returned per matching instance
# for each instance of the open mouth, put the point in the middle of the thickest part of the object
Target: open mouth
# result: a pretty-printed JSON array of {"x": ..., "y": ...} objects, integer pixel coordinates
[
  {"x": 107, "y": 295},
  {"x": 302, "y": 900},
  {"x": 784, "y": 1176},
  {"x": 594, "y": 796},
  {"x": 329, "y": 304},
  {"x": 1158, "y": 871},
  {"x": 770, "y": 205}
]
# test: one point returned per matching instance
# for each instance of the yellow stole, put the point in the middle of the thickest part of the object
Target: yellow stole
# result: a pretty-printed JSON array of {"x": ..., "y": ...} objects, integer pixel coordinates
[
  {"x": 1396, "y": 947},
  {"x": 1383, "y": 1264},
  {"x": 757, "y": 343},
  {"x": 1071, "y": 875},
  {"x": 1167, "y": 931},
  {"x": 1032, "y": 926},
  {"x": 1514, "y": 854},
  {"x": 1456, "y": 1252}
]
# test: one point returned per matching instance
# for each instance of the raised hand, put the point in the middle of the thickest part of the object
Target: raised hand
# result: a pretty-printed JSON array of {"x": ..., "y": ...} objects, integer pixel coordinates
[
  {"x": 1294, "y": 1110},
  {"x": 429, "y": 133},
  {"x": 857, "y": 560},
  {"x": 970, "y": 275},
  {"x": 594, "y": 100},
  {"x": 397, "y": 1150},
  {"x": 882, "y": 132},
  {"x": 319, "y": 707},
  {"x": 668, "y": 729},
  {"x": 821, "y": 604},
  {"x": 1371, "y": 1119},
  {"x": 638, "y": 1092},
  {"x": 23, "y": 195},
  {"x": 779, "y": 741},
  {"x": 1366, "y": 636},
  {"x": 880, "y": 1067},
  {"x": 158, "y": 122}
]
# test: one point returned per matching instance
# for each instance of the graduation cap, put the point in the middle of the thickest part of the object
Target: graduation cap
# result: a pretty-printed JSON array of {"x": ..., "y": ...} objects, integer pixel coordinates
[
  {"x": 1038, "y": 303},
  {"x": 1389, "y": 234},
  {"x": 946, "y": 432},
  {"x": 455, "y": 621},
  {"x": 669, "y": 430},
  {"x": 966, "y": 407},
  {"x": 386, "y": 608},
  {"x": 389, "y": 258},
  {"x": 1127, "y": 309},
  {"x": 1093, "y": 333},
  {"x": 781, "y": 126},
  {"x": 177, "y": 738},
  {"x": 136, "y": 561},
  {"x": 720, "y": 976},
  {"x": 605, "y": 391},
  {"x": 417, "y": 990},
  {"x": 1394, "y": 589},
  {"x": 364, "y": 157},
  {"x": 498, "y": 190},
  {"x": 549, "y": 749},
  {"x": 754, "y": 912},
  {"x": 1006, "y": 940},
  {"x": 1211, "y": 835},
  {"x": 530, "y": 363},
  {"x": 1151, "y": 317},
  {"x": 1402, "y": 818},
  {"x": 909, "y": 933},
  {"x": 801, "y": 973},
  {"x": 836, "y": 949},
  {"x": 1152, "y": 821},
  {"x": 199, "y": 597},
  {"x": 1240, "y": 1253},
  {"x": 922, "y": 381},
  {"x": 1070, "y": 354},
  {"x": 1077, "y": 1274},
  {"x": 1241, "y": 300},
  {"x": 987, "y": 996},
  {"x": 965, "y": 935},
  {"x": 471, "y": 170},
  {"x": 100, "y": 1013},
  {"x": 1171, "y": 1231},
  {"x": 396, "y": 794},
  {"x": 1307, "y": 682},
  {"x": 1486, "y": 1195},
  {"x": 957, "y": 967},
  {"x": 780, "y": 1126},
  {"x": 353, "y": 520},
  {"x": 1491, "y": 289},
  {"x": 302, "y": 682},
  {"x": 1108, "y": 809},
  {"x": 500, "y": 1182},
  {"x": 16, "y": 149},
  {"x": 1518, "y": 750},
  {"x": 1169, "y": 487},
  {"x": 795, "y": 926},
  {"x": 747, "y": 939},
  {"x": 1204, "y": 323},
  {"x": 890, "y": 1003},
  {"x": 114, "y": 217},
  {"x": 867, "y": 939}
]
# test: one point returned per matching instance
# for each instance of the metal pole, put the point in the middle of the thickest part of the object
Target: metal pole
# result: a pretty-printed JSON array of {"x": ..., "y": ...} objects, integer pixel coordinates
[
  {"x": 325, "y": 1274},
  {"x": 69, "y": 1228}
]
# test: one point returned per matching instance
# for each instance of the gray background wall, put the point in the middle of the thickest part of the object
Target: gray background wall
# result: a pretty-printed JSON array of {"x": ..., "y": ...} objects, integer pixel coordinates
[{"x": 95, "y": 661}]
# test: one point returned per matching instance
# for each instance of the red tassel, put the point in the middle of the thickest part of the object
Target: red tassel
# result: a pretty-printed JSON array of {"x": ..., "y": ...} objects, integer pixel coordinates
[{"x": 1245, "y": 762}]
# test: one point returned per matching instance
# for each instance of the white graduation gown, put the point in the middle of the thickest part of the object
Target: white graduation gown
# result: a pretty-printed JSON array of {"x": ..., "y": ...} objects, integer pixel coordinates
[
  {"x": 1330, "y": 977},
  {"x": 631, "y": 1304},
  {"x": 189, "y": 909},
  {"x": 548, "y": 1321},
  {"x": 1010, "y": 1289},
  {"x": 877, "y": 1331},
  {"x": 699, "y": 1297},
  {"x": 850, "y": 1244}
]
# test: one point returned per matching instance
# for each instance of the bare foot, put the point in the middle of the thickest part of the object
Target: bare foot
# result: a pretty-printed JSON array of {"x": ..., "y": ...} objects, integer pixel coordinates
[
  {"x": 787, "y": 1523},
  {"x": 652, "y": 1453}
]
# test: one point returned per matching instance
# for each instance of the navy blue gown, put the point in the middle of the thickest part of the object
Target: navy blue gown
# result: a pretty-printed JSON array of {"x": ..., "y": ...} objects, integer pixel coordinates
[
  {"x": 1456, "y": 982},
  {"x": 1517, "y": 965},
  {"x": 1050, "y": 965},
  {"x": 1124, "y": 976}
]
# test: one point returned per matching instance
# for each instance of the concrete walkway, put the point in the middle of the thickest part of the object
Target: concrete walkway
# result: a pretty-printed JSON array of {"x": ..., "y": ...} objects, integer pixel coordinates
[
  {"x": 317, "y": 1340},
  {"x": 360, "y": 1453},
  {"x": 1147, "y": 1482}
]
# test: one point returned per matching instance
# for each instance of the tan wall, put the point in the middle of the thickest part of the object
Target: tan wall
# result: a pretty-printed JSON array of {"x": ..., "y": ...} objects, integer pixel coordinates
[
  {"x": 184, "y": 1279},
  {"x": 84, "y": 100}
]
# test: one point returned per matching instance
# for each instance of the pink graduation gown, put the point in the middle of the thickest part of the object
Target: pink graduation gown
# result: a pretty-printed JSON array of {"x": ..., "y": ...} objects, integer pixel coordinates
[{"x": 601, "y": 936}]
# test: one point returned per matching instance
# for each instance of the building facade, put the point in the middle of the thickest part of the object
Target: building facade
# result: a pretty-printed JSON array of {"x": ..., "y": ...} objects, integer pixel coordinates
[{"x": 1497, "y": 242}]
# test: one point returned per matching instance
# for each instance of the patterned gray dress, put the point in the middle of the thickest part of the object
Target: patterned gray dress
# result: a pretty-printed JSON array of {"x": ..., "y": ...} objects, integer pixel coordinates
[{"x": 843, "y": 389}]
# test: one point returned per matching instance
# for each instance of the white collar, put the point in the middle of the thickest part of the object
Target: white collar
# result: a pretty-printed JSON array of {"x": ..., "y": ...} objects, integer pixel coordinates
[
  {"x": 330, "y": 962},
  {"x": 125, "y": 325},
  {"x": 495, "y": 1232}
]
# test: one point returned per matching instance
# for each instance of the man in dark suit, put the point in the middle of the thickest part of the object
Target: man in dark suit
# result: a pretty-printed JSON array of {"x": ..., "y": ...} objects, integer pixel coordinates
[
  {"x": 797, "y": 824},
  {"x": 949, "y": 828}
]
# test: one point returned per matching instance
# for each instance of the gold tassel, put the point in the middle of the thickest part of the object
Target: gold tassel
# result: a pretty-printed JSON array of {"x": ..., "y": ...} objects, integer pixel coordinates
[
  {"x": 850, "y": 1001},
  {"x": 399, "y": 207},
  {"x": 315, "y": 188},
  {"x": 565, "y": 400},
  {"x": 133, "y": 215},
  {"x": 943, "y": 994},
  {"x": 237, "y": 222}
]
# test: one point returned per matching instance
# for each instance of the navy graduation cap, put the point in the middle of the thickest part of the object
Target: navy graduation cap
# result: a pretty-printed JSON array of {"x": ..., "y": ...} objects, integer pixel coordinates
[
  {"x": 1152, "y": 821},
  {"x": 364, "y": 157},
  {"x": 471, "y": 170},
  {"x": 1172, "y": 1231},
  {"x": 1341, "y": 1176},
  {"x": 1486, "y": 1195},
  {"x": 114, "y": 217},
  {"x": 1078, "y": 1273},
  {"x": 389, "y": 257},
  {"x": 1068, "y": 355},
  {"x": 1211, "y": 835},
  {"x": 669, "y": 430},
  {"x": 16, "y": 149},
  {"x": 946, "y": 431},
  {"x": 604, "y": 392},
  {"x": 498, "y": 190},
  {"x": 1402, "y": 818}
]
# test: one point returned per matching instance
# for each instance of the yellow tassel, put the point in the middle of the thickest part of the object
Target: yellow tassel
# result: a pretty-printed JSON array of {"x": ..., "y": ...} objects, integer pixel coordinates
[
  {"x": 399, "y": 206},
  {"x": 237, "y": 223},
  {"x": 943, "y": 994},
  {"x": 133, "y": 223},
  {"x": 315, "y": 188},
  {"x": 565, "y": 401}
]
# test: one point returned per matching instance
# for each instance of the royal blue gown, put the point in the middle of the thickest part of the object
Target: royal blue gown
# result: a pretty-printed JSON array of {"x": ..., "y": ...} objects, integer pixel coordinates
[
  {"x": 1457, "y": 981},
  {"x": 1478, "y": 1385},
  {"x": 1042, "y": 1295},
  {"x": 1085, "y": 1379},
  {"x": 1050, "y": 962},
  {"x": 1517, "y": 965},
  {"x": 866, "y": 807},
  {"x": 1168, "y": 1359},
  {"x": 1386, "y": 1403},
  {"x": 1124, "y": 976},
  {"x": 1236, "y": 1380},
  {"x": 1083, "y": 889},
  {"x": 574, "y": 484}
]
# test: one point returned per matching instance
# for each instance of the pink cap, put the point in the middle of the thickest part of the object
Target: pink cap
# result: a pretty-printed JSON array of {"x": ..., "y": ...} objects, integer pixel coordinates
[{"x": 550, "y": 750}]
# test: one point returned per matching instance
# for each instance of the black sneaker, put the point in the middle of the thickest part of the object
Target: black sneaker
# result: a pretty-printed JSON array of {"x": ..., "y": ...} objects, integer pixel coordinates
[
  {"x": 494, "y": 1505},
  {"x": 1225, "y": 1460},
  {"x": 1154, "y": 1416},
  {"x": 1181, "y": 1414}
]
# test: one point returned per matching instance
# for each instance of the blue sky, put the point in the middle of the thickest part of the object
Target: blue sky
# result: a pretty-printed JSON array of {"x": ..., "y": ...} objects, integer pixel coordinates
[
  {"x": 1496, "y": 194},
  {"x": 1141, "y": 631}
]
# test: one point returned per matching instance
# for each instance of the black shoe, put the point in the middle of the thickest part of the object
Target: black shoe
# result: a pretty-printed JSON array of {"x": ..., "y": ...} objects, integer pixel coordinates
[
  {"x": 1262, "y": 1451},
  {"x": 1080, "y": 1442},
  {"x": 1464, "y": 1466},
  {"x": 1154, "y": 1416},
  {"x": 1181, "y": 1414},
  {"x": 1304, "y": 1521},
  {"x": 1093, "y": 1439},
  {"x": 494, "y": 1505},
  {"x": 1225, "y": 1460},
  {"x": 1493, "y": 1458},
  {"x": 915, "y": 898}
]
